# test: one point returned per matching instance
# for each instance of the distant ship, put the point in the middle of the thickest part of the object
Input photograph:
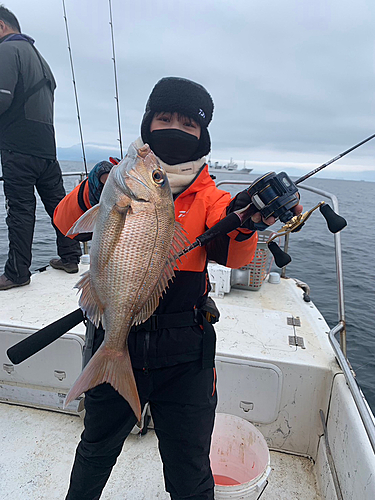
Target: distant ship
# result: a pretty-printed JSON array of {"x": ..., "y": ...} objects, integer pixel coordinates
[{"x": 231, "y": 166}]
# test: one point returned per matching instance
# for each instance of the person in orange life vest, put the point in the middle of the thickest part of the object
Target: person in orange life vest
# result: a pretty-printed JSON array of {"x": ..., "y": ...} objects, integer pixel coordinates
[{"x": 173, "y": 365}]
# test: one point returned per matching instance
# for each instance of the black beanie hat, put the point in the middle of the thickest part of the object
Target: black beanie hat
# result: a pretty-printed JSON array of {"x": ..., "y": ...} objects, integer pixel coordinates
[{"x": 179, "y": 95}]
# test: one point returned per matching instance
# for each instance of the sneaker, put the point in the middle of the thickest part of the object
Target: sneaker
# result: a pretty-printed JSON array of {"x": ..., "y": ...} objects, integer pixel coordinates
[
  {"x": 68, "y": 267},
  {"x": 6, "y": 284}
]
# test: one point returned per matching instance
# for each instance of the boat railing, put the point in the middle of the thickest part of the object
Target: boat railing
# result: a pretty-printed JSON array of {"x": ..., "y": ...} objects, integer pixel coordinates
[
  {"x": 340, "y": 328},
  {"x": 338, "y": 348},
  {"x": 81, "y": 175},
  {"x": 363, "y": 409}
]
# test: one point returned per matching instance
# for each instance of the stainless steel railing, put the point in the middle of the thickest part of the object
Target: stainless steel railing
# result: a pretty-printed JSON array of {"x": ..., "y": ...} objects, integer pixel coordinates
[
  {"x": 81, "y": 175},
  {"x": 338, "y": 258},
  {"x": 366, "y": 415}
]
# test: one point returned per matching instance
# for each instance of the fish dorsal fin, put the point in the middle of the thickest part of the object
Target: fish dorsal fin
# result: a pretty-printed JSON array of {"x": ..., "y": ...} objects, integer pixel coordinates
[
  {"x": 88, "y": 301},
  {"x": 86, "y": 223},
  {"x": 179, "y": 242}
]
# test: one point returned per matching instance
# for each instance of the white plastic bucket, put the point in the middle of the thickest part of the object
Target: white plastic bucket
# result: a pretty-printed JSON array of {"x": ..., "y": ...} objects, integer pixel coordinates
[{"x": 240, "y": 459}]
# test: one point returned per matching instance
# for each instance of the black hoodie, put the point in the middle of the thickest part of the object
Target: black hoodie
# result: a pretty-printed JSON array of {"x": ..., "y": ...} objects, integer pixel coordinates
[{"x": 26, "y": 123}]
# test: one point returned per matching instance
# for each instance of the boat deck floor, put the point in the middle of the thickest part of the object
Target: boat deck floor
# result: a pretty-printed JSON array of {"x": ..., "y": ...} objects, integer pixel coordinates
[{"x": 38, "y": 446}]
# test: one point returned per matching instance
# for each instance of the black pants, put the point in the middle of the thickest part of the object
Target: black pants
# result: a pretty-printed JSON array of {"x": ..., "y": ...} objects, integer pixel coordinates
[
  {"x": 182, "y": 402},
  {"x": 21, "y": 173}
]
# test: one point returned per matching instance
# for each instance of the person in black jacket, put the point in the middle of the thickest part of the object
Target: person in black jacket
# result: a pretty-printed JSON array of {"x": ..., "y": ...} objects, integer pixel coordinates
[{"x": 28, "y": 151}]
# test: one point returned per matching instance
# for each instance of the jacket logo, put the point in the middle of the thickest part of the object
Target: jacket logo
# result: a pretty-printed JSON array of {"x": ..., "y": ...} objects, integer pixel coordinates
[{"x": 182, "y": 213}]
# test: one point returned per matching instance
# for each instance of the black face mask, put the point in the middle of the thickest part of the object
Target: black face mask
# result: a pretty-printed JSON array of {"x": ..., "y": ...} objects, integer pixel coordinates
[{"x": 173, "y": 146}]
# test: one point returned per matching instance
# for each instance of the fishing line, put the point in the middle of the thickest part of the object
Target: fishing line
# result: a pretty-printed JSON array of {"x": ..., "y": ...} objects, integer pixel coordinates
[
  {"x": 115, "y": 76},
  {"x": 362, "y": 366},
  {"x": 75, "y": 88}
]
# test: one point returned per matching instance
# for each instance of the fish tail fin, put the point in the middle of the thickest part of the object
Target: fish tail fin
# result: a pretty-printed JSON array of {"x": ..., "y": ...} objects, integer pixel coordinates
[{"x": 113, "y": 367}]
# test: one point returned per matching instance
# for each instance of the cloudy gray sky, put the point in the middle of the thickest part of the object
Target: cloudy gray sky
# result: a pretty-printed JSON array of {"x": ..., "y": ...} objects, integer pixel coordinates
[{"x": 292, "y": 81}]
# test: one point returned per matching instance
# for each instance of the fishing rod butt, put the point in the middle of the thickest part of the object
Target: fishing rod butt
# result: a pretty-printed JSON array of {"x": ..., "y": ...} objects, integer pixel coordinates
[{"x": 42, "y": 338}]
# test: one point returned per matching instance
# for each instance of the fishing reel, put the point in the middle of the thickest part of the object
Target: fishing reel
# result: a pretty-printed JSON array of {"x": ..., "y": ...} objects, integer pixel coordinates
[{"x": 276, "y": 195}]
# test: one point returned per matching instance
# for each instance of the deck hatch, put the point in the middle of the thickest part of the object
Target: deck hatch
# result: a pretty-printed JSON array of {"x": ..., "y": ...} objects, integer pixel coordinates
[{"x": 248, "y": 389}]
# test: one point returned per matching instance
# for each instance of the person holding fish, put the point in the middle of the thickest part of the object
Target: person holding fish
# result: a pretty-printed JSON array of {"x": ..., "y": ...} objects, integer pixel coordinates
[{"x": 152, "y": 342}]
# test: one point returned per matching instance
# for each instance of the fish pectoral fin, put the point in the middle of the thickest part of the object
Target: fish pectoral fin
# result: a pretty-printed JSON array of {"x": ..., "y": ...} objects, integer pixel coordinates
[
  {"x": 179, "y": 242},
  {"x": 113, "y": 367},
  {"x": 86, "y": 223},
  {"x": 89, "y": 301}
]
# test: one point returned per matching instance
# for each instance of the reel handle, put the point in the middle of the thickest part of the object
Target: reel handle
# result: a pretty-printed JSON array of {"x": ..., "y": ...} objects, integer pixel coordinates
[
  {"x": 335, "y": 222},
  {"x": 281, "y": 258}
]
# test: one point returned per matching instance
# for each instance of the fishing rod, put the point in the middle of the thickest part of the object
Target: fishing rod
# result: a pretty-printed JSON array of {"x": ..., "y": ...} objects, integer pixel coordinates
[
  {"x": 276, "y": 195},
  {"x": 75, "y": 89},
  {"x": 115, "y": 76},
  {"x": 271, "y": 194},
  {"x": 313, "y": 172}
]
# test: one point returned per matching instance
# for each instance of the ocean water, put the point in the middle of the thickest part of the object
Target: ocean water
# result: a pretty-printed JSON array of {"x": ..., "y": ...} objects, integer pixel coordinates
[{"x": 313, "y": 260}]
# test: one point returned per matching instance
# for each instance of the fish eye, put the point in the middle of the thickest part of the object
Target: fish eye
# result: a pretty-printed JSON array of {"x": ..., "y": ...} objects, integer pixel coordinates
[{"x": 158, "y": 176}]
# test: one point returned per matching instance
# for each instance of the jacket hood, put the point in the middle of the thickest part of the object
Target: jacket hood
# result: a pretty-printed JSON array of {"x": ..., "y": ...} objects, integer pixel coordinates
[{"x": 17, "y": 36}]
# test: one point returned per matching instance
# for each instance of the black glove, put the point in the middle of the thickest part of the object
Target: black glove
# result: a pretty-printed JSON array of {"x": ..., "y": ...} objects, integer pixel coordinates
[
  {"x": 95, "y": 186},
  {"x": 242, "y": 200}
]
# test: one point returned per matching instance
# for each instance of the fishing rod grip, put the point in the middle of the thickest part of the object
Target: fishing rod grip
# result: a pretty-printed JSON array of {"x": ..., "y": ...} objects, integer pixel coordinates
[
  {"x": 334, "y": 221},
  {"x": 231, "y": 222},
  {"x": 42, "y": 338},
  {"x": 224, "y": 226}
]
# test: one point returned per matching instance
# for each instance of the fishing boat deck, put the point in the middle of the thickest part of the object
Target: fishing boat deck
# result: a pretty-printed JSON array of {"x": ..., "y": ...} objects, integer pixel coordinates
[
  {"x": 275, "y": 368},
  {"x": 38, "y": 449},
  {"x": 49, "y": 296}
]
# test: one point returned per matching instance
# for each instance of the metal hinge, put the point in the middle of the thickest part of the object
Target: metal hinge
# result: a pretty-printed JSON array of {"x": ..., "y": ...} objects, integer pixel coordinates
[
  {"x": 293, "y": 321},
  {"x": 296, "y": 341}
]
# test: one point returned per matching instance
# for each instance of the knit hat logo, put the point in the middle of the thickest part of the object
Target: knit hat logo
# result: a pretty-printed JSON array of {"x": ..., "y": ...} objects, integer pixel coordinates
[{"x": 201, "y": 113}]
